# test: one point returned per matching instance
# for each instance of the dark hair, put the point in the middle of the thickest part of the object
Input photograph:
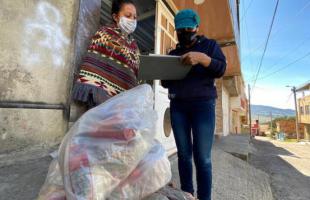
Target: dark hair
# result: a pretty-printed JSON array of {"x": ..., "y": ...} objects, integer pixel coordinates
[{"x": 118, "y": 4}]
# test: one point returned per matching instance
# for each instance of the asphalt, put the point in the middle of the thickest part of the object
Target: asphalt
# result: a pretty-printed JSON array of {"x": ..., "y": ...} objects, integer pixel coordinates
[{"x": 288, "y": 165}]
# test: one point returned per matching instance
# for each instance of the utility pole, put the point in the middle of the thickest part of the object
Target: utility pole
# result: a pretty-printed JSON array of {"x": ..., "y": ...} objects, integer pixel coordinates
[
  {"x": 250, "y": 115},
  {"x": 297, "y": 124},
  {"x": 258, "y": 118}
]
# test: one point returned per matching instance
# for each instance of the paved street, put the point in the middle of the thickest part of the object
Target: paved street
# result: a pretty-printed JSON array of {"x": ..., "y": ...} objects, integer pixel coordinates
[
  {"x": 288, "y": 165},
  {"x": 233, "y": 178},
  {"x": 22, "y": 175}
]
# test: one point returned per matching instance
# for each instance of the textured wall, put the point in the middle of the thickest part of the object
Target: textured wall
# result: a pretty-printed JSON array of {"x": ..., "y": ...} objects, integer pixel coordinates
[
  {"x": 289, "y": 128},
  {"x": 36, "y": 62},
  {"x": 307, "y": 131},
  {"x": 36, "y": 52},
  {"x": 219, "y": 108}
]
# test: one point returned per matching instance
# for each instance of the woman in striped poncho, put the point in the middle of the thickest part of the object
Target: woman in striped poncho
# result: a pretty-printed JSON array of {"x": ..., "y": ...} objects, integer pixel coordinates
[{"x": 112, "y": 61}]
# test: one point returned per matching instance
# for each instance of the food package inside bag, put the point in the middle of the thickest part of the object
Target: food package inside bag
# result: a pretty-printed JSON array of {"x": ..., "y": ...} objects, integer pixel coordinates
[
  {"x": 152, "y": 173},
  {"x": 53, "y": 188},
  {"x": 107, "y": 143}
]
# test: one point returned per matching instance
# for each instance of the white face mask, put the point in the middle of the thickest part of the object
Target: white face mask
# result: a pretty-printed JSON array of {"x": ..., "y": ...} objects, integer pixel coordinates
[{"x": 127, "y": 26}]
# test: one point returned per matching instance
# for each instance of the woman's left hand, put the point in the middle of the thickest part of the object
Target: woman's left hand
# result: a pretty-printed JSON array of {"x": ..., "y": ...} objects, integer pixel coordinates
[{"x": 194, "y": 58}]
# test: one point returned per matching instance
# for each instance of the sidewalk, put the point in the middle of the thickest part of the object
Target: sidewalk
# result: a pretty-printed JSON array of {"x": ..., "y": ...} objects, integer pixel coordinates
[{"x": 233, "y": 178}]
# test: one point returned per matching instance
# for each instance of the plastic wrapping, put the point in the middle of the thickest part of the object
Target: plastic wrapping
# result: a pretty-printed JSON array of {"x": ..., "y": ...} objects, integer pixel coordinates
[
  {"x": 53, "y": 188},
  {"x": 152, "y": 173},
  {"x": 102, "y": 150}
]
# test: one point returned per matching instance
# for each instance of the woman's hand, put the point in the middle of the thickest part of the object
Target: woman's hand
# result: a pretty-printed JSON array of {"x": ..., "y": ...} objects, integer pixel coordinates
[{"x": 194, "y": 58}]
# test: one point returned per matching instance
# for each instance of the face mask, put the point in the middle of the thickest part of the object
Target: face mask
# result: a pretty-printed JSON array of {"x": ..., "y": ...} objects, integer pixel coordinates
[
  {"x": 186, "y": 37},
  {"x": 127, "y": 26}
]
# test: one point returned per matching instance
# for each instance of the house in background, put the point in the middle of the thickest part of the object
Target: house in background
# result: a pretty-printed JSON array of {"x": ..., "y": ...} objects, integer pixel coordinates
[
  {"x": 238, "y": 108},
  {"x": 264, "y": 129},
  {"x": 304, "y": 110},
  {"x": 288, "y": 126}
]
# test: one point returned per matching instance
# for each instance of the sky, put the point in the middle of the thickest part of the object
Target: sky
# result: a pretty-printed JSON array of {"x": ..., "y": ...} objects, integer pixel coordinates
[{"x": 289, "y": 41}]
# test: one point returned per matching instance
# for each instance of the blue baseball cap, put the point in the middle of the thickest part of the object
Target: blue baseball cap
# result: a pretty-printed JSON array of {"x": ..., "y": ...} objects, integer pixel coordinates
[{"x": 187, "y": 18}]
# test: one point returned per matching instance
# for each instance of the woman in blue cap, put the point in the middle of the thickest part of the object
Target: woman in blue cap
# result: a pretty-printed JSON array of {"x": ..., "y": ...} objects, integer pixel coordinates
[{"x": 192, "y": 104}]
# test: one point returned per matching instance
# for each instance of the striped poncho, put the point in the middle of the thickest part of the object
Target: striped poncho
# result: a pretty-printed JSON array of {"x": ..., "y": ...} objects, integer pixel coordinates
[{"x": 109, "y": 67}]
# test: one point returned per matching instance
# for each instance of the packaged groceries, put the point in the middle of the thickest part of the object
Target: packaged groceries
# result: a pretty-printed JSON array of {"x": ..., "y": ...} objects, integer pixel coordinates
[{"x": 111, "y": 147}]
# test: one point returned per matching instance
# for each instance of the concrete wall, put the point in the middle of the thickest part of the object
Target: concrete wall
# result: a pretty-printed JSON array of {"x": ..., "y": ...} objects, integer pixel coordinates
[
  {"x": 307, "y": 131},
  {"x": 37, "y": 40},
  {"x": 222, "y": 110},
  {"x": 219, "y": 109},
  {"x": 304, "y": 103},
  {"x": 226, "y": 111}
]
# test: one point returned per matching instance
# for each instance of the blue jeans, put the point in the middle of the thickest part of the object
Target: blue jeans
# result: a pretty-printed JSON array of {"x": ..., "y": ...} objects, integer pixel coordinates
[{"x": 193, "y": 124}]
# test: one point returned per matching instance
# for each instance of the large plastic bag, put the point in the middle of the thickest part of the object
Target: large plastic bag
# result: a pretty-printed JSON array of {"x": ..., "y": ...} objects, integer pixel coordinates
[
  {"x": 106, "y": 144},
  {"x": 152, "y": 173},
  {"x": 53, "y": 188},
  {"x": 110, "y": 148}
]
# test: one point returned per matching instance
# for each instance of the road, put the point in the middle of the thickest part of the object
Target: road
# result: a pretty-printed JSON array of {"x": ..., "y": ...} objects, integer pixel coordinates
[
  {"x": 288, "y": 165},
  {"x": 22, "y": 175}
]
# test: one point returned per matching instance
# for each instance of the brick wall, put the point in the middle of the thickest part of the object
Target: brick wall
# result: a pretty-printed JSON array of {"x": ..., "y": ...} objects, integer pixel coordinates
[{"x": 289, "y": 127}]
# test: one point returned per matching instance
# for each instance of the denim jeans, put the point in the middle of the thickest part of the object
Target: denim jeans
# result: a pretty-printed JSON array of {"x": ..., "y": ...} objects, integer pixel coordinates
[{"x": 193, "y": 124}]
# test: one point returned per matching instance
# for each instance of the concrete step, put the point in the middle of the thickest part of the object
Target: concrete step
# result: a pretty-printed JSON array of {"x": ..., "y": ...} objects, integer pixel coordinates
[{"x": 237, "y": 145}]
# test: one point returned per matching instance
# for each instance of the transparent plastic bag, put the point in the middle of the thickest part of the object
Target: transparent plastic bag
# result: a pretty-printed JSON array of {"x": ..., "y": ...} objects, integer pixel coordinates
[
  {"x": 53, "y": 188},
  {"x": 107, "y": 143},
  {"x": 152, "y": 173}
]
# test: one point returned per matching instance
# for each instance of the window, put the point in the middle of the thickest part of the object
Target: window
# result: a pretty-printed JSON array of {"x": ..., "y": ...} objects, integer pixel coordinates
[
  {"x": 307, "y": 110},
  {"x": 301, "y": 110}
]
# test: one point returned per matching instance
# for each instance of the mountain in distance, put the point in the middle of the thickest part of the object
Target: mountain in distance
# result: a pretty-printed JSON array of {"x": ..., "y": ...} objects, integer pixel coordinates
[{"x": 262, "y": 112}]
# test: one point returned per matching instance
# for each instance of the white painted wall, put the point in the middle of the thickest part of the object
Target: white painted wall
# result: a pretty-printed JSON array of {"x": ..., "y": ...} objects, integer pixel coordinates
[
  {"x": 161, "y": 94},
  {"x": 161, "y": 104},
  {"x": 226, "y": 111}
]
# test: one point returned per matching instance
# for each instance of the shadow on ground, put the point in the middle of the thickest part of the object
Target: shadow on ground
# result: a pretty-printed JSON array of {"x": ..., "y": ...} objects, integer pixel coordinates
[{"x": 287, "y": 182}]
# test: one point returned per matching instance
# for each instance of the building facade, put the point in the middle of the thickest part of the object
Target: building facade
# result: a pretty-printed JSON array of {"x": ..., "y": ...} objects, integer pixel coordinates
[{"x": 304, "y": 110}]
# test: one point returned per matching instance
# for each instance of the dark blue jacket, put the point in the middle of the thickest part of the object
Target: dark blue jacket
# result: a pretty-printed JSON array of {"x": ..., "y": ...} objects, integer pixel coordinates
[{"x": 199, "y": 84}]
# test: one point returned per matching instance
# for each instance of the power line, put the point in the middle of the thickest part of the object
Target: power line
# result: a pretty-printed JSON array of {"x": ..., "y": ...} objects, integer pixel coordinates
[
  {"x": 289, "y": 97},
  {"x": 286, "y": 66},
  {"x": 246, "y": 11},
  {"x": 266, "y": 45},
  {"x": 288, "y": 53},
  {"x": 247, "y": 33},
  {"x": 281, "y": 27},
  {"x": 296, "y": 15}
]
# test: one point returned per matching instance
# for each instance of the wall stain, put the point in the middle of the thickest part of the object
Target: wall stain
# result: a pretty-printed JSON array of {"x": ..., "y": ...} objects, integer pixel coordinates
[{"x": 10, "y": 76}]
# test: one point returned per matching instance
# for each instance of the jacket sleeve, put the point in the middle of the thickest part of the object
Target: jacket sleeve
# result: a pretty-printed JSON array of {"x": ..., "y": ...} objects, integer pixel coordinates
[{"x": 218, "y": 61}]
